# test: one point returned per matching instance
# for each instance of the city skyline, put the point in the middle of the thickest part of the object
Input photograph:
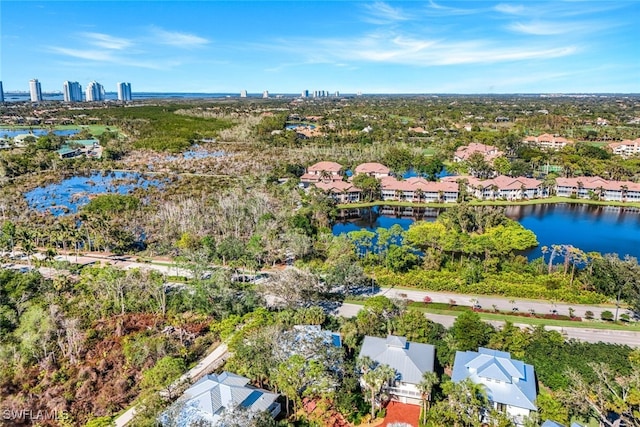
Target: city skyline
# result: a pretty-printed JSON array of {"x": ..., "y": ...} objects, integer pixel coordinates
[{"x": 285, "y": 47}]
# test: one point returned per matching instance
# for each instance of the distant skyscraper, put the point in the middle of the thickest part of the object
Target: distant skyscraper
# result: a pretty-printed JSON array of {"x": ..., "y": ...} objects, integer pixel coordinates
[
  {"x": 337, "y": 94},
  {"x": 95, "y": 92},
  {"x": 243, "y": 93},
  {"x": 124, "y": 91},
  {"x": 35, "y": 90},
  {"x": 1, "y": 93},
  {"x": 265, "y": 94},
  {"x": 305, "y": 93},
  {"x": 72, "y": 91}
]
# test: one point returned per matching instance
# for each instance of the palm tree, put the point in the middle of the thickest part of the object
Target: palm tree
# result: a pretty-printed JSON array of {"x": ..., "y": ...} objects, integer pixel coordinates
[
  {"x": 429, "y": 380},
  {"x": 625, "y": 189},
  {"x": 494, "y": 191},
  {"x": 374, "y": 377},
  {"x": 419, "y": 194},
  {"x": 325, "y": 176}
]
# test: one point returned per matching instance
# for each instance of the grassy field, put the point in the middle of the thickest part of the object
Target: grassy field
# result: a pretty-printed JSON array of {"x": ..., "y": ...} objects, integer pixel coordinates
[
  {"x": 94, "y": 129},
  {"x": 548, "y": 200}
]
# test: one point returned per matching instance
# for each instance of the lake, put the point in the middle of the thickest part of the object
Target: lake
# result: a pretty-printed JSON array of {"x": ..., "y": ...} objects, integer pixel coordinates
[
  {"x": 604, "y": 229},
  {"x": 12, "y": 133},
  {"x": 72, "y": 193}
]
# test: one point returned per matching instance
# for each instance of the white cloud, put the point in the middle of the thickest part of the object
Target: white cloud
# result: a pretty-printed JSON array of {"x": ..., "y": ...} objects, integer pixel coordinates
[
  {"x": 510, "y": 9},
  {"x": 175, "y": 38},
  {"x": 436, "y": 9},
  {"x": 91, "y": 54},
  {"x": 405, "y": 50},
  {"x": 383, "y": 13},
  {"x": 106, "y": 41},
  {"x": 550, "y": 28},
  {"x": 109, "y": 57}
]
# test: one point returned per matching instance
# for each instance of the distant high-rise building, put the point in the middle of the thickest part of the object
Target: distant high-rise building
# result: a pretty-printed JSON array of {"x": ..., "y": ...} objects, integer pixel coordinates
[
  {"x": 72, "y": 91},
  {"x": 337, "y": 94},
  {"x": 243, "y": 93},
  {"x": 305, "y": 93},
  {"x": 95, "y": 92},
  {"x": 265, "y": 94},
  {"x": 124, "y": 91},
  {"x": 35, "y": 90},
  {"x": 1, "y": 93}
]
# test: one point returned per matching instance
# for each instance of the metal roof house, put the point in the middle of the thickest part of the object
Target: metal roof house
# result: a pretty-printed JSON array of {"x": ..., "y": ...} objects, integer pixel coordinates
[
  {"x": 510, "y": 384},
  {"x": 206, "y": 401},
  {"x": 409, "y": 359}
]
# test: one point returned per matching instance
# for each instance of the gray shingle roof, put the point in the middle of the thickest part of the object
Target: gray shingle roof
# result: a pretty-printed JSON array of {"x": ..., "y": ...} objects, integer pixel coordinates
[
  {"x": 409, "y": 359},
  {"x": 506, "y": 380}
]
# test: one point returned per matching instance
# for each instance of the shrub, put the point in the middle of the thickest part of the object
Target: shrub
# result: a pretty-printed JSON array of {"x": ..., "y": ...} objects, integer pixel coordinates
[
  {"x": 606, "y": 315},
  {"x": 624, "y": 317},
  {"x": 588, "y": 314}
]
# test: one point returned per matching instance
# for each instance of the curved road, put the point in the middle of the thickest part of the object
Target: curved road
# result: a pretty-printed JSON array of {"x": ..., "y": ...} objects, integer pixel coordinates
[{"x": 630, "y": 338}]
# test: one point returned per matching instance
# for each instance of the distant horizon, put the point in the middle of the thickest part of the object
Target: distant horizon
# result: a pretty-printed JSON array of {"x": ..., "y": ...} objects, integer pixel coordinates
[
  {"x": 341, "y": 94},
  {"x": 372, "y": 47}
]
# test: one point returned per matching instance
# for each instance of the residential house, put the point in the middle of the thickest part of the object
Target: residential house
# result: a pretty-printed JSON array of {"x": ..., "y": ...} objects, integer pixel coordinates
[
  {"x": 594, "y": 187},
  {"x": 489, "y": 152},
  {"x": 208, "y": 399},
  {"x": 547, "y": 141},
  {"x": 502, "y": 187},
  {"x": 312, "y": 343},
  {"x": 80, "y": 147},
  {"x": 410, "y": 361},
  {"x": 510, "y": 384},
  {"x": 625, "y": 148},
  {"x": 376, "y": 170},
  {"x": 323, "y": 172},
  {"x": 340, "y": 191},
  {"x": 418, "y": 190}
]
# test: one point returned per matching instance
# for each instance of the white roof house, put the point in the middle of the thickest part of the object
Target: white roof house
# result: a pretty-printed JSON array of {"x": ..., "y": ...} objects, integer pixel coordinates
[
  {"x": 510, "y": 384},
  {"x": 409, "y": 359},
  {"x": 207, "y": 400}
]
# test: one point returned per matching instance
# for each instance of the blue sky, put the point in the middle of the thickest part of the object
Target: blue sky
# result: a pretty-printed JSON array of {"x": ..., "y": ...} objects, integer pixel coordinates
[{"x": 287, "y": 46}]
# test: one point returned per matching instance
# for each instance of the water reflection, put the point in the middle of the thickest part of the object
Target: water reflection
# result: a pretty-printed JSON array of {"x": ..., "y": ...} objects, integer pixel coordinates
[{"x": 605, "y": 229}]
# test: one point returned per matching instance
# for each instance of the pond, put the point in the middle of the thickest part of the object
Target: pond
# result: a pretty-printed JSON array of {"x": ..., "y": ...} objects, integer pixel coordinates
[
  {"x": 292, "y": 126},
  {"x": 604, "y": 229},
  {"x": 12, "y": 133},
  {"x": 195, "y": 153},
  {"x": 72, "y": 193}
]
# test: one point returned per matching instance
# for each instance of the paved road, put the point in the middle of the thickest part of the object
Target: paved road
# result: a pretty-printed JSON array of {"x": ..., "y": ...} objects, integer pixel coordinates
[
  {"x": 487, "y": 302},
  {"x": 630, "y": 338},
  {"x": 502, "y": 303},
  {"x": 206, "y": 365}
]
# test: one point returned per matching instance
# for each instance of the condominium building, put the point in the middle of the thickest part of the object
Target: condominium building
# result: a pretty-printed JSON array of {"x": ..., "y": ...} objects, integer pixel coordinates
[
  {"x": 72, "y": 91},
  {"x": 124, "y": 91},
  {"x": 265, "y": 94},
  {"x": 95, "y": 92},
  {"x": 243, "y": 93},
  {"x": 1, "y": 93},
  {"x": 35, "y": 90}
]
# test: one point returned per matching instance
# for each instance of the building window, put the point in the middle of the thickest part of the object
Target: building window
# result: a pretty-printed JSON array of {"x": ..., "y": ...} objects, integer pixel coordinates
[{"x": 501, "y": 407}]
